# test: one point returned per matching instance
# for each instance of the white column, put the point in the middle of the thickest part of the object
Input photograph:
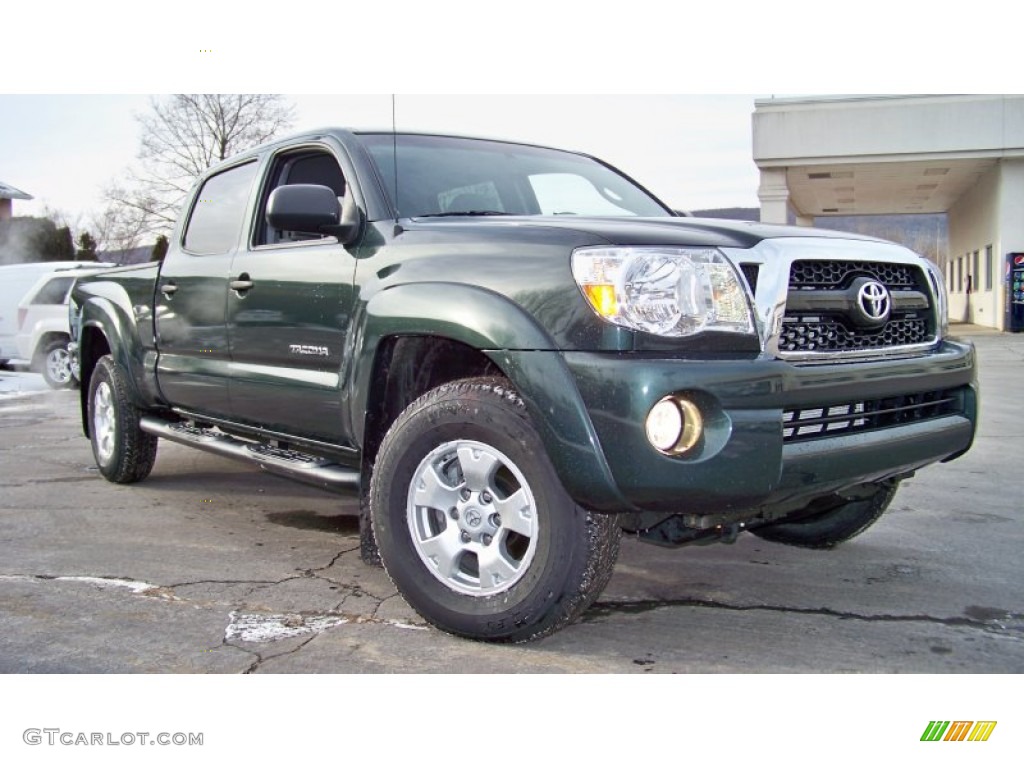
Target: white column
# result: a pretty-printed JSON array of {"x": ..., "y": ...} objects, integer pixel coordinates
[{"x": 774, "y": 196}]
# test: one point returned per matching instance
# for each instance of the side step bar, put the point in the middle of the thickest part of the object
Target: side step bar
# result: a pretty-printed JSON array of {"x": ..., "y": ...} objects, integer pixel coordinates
[{"x": 304, "y": 467}]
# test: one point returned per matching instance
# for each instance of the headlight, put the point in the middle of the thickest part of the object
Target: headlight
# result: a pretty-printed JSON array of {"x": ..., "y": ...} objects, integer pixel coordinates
[
  {"x": 939, "y": 291},
  {"x": 664, "y": 291}
]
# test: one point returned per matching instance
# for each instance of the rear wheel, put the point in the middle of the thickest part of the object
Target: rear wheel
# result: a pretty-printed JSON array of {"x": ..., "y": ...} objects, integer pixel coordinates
[
  {"x": 56, "y": 365},
  {"x": 834, "y": 525},
  {"x": 123, "y": 452},
  {"x": 473, "y": 524}
]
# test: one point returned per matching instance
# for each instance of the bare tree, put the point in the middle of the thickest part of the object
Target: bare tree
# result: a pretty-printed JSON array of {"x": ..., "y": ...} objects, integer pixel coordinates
[
  {"x": 182, "y": 136},
  {"x": 119, "y": 228}
]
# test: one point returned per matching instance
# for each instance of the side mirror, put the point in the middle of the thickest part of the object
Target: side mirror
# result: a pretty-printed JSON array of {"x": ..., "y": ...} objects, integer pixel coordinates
[{"x": 314, "y": 209}]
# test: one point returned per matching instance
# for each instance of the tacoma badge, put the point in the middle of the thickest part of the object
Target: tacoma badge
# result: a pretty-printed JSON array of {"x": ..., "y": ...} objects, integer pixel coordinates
[{"x": 307, "y": 349}]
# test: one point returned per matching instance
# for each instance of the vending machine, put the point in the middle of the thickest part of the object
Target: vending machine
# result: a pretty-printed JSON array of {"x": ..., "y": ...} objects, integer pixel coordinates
[{"x": 1014, "y": 292}]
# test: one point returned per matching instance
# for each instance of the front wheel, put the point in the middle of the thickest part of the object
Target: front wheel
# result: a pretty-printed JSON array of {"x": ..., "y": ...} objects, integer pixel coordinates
[
  {"x": 123, "y": 452},
  {"x": 834, "y": 525},
  {"x": 473, "y": 525}
]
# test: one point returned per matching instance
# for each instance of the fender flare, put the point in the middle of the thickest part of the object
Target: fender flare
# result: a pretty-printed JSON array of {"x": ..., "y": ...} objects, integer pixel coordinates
[
  {"x": 116, "y": 321},
  {"x": 522, "y": 349}
]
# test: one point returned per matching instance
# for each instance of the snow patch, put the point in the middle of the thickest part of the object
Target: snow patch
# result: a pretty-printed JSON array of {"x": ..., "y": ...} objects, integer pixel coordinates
[
  {"x": 266, "y": 628},
  {"x": 403, "y": 625},
  {"x": 136, "y": 587},
  {"x": 99, "y": 581}
]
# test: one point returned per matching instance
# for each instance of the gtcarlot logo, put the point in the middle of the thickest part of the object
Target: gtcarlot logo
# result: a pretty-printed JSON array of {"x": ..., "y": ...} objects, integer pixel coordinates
[{"x": 55, "y": 737}]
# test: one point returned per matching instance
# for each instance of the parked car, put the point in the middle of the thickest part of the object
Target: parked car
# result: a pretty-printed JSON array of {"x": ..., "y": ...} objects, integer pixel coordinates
[
  {"x": 43, "y": 332},
  {"x": 15, "y": 281}
]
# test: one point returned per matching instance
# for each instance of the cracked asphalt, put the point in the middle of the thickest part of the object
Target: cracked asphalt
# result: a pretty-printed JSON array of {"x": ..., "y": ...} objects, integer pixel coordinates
[{"x": 212, "y": 566}]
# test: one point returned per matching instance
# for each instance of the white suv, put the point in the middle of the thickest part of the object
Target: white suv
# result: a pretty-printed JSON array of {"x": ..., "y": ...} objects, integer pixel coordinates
[{"x": 43, "y": 332}]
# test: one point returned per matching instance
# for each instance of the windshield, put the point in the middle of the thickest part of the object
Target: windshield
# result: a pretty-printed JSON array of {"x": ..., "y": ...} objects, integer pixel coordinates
[{"x": 445, "y": 176}]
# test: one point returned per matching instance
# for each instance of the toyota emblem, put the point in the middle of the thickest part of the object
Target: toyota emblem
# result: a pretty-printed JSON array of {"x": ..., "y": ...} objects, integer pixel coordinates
[{"x": 873, "y": 300}]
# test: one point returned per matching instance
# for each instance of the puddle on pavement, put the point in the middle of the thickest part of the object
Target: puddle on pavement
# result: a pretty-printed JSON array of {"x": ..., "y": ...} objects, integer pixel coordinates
[{"x": 312, "y": 521}]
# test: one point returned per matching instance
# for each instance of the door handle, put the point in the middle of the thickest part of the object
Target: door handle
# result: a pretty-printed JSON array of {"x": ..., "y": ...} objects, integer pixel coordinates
[
  {"x": 167, "y": 289},
  {"x": 242, "y": 284}
]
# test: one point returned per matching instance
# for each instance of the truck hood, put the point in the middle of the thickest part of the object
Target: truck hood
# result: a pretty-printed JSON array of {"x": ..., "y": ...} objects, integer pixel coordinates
[{"x": 691, "y": 232}]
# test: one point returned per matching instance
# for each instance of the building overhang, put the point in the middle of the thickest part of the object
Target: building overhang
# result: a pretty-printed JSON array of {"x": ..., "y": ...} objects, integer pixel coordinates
[
  {"x": 863, "y": 155},
  {"x": 11, "y": 193}
]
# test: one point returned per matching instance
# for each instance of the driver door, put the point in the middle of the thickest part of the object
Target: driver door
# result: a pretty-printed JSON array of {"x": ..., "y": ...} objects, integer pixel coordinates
[{"x": 289, "y": 301}]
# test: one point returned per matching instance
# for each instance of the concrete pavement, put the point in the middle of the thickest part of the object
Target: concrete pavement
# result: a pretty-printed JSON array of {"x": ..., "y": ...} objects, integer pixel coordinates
[{"x": 210, "y": 566}]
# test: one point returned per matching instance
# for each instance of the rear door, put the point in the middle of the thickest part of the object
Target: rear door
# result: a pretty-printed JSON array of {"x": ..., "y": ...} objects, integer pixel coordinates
[{"x": 191, "y": 295}]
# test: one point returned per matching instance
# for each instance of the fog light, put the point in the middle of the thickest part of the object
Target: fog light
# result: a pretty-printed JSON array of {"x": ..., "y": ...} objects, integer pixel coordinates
[
  {"x": 674, "y": 425},
  {"x": 665, "y": 425}
]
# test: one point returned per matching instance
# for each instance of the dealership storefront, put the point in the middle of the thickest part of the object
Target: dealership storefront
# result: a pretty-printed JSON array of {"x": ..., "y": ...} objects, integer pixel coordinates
[{"x": 958, "y": 155}]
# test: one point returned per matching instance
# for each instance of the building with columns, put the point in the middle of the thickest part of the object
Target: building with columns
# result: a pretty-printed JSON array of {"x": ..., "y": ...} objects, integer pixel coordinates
[{"x": 961, "y": 155}]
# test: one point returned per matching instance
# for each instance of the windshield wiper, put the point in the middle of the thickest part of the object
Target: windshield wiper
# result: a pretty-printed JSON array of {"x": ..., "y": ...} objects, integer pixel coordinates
[{"x": 462, "y": 213}]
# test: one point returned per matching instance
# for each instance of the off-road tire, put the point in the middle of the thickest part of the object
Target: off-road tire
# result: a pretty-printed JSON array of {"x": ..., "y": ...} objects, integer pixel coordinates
[
  {"x": 555, "y": 557},
  {"x": 368, "y": 551},
  {"x": 824, "y": 530},
  {"x": 55, "y": 365},
  {"x": 123, "y": 452}
]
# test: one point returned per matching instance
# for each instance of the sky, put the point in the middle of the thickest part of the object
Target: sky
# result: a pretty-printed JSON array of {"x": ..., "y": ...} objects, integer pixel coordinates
[
  {"x": 659, "y": 90},
  {"x": 692, "y": 151}
]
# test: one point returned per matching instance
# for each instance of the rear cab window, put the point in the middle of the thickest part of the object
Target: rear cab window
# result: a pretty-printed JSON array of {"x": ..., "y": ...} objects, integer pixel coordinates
[{"x": 219, "y": 211}]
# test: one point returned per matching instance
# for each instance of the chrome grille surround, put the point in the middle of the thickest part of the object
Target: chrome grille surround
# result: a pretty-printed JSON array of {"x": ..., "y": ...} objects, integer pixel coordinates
[{"x": 775, "y": 259}]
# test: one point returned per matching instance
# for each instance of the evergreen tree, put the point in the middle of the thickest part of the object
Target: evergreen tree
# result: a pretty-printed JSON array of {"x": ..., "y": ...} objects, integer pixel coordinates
[
  {"x": 26, "y": 239},
  {"x": 160, "y": 248},
  {"x": 48, "y": 242},
  {"x": 86, "y": 247}
]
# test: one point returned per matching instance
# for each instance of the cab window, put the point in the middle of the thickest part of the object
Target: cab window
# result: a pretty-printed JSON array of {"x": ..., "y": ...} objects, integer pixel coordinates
[{"x": 219, "y": 211}]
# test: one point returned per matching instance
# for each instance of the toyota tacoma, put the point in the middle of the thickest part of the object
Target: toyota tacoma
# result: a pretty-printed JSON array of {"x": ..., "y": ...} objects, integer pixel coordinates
[{"x": 514, "y": 354}]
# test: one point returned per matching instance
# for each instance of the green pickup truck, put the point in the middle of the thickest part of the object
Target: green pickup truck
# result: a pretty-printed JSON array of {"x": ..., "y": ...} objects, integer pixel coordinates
[{"x": 514, "y": 354}]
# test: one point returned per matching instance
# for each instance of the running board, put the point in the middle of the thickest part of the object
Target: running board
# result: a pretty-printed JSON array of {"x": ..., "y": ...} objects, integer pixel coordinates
[{"x": 305, "y": 467}]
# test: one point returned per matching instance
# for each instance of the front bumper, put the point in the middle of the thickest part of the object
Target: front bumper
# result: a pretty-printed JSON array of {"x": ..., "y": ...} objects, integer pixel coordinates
[{"x": 744, "y": 469}]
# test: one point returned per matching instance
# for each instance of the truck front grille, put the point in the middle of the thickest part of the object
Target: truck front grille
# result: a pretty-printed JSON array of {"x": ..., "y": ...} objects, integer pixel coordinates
[
  {"x": 823, "y": 313},
  {"x": 814, "y": 335},
  {"x": 831, "y": 273},
  {"x": 802, "y": 424}
]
